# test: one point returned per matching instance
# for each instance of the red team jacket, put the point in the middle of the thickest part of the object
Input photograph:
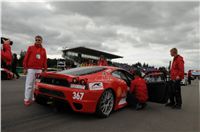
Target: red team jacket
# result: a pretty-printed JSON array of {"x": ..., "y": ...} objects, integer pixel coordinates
[
  {"x": 139, "y": 88},
  {"x": 177, "y": 68},
  {"x": 6, "y": 54},
  {"x": 102, "y": 63},
  {"x": 35, "y": 58},
  {"x": 189, "y": 73}
]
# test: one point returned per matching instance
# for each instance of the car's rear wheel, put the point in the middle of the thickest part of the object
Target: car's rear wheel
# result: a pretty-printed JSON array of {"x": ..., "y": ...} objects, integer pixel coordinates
[{"x": 105, "y": 104}]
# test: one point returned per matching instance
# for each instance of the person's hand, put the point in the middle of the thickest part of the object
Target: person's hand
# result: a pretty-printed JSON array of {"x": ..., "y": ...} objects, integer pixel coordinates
[
  {"x": 25, "y": 71},
  {"x": 177, "y": 78}
]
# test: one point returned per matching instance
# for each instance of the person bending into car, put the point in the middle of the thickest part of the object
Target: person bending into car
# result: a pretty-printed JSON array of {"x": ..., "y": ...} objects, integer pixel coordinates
[
  {"x": 34, "y": 62},
  {"x": 138, "y": 94},
  {"x": 176, "y": 75}
]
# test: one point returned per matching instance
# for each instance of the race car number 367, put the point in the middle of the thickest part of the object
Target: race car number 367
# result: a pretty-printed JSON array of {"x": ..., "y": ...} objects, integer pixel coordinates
[{"x": 78, "y": 95}]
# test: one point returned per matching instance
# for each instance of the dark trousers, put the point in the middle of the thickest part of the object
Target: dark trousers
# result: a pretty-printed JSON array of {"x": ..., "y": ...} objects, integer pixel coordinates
[
  {"x": 175, "y": 93},
  {"x": 189, "y": 80},
  {"x": 15, "y": 72},
  {"x": 4, "y": 65},
  {"x": 131, "y": 100}
]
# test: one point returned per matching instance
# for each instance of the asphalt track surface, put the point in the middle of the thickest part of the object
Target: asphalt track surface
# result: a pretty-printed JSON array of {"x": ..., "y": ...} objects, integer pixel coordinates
[{"x": 155, "y": 118}]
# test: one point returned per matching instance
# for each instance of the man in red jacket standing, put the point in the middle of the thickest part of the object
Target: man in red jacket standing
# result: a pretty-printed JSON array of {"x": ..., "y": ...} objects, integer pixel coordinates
[
  {"x": 34, "y": 62},
  {"x": 138, "y": 94},
  {"x": 6, "y": 54},
  {"x": 176, "y": 74}
]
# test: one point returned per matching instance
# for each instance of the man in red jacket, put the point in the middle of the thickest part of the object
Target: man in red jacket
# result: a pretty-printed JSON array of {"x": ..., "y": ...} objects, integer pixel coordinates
[
  {"x": 176, "y": 74},
  {"x": 6, "y": 54},
  {"x": 34, "y": 62},
  {"x": 102, "y": 61},
  {"x": 138, "y": 94}
]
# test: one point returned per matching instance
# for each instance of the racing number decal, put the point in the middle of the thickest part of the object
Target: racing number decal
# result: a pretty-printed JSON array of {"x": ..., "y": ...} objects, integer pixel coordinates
[{"x": 77, "y": 95}]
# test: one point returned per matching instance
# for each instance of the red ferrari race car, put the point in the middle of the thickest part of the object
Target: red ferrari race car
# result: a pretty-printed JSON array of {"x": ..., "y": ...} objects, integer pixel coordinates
[
  {"x": 97, "y": 89},
  {"x": 6, "y": 74}
]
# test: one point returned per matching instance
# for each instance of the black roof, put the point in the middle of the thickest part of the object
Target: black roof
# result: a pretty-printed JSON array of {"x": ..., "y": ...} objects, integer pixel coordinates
[{"x": 92, "y": 52}]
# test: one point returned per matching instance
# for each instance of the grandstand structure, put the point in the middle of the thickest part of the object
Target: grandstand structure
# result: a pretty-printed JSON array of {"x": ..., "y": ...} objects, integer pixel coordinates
[
  {"x": 79, "y": 56},
  {"x": 82, "y": 54}
]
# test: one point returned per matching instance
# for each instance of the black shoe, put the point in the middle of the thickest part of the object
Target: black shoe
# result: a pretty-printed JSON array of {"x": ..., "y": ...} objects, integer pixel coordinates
[
  {"x": 140, "y": 106},
  {"x": 178, "y": 107},
  {"x": 169, "y": 105},
  {"x": 144, "y": 105}
]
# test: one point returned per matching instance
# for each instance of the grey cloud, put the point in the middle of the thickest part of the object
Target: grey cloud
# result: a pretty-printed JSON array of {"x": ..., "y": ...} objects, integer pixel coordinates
[
  {"x": 137, "y": 14},
  {"x": 32, "y": 21},
  {"x": 163, "y": 18}
]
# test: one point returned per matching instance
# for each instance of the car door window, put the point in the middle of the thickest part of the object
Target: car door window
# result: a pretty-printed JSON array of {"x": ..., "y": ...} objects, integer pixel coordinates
[
  {"x": 123, "y": 76},
  {"x": 119, "y": 74},
  {"x": 116, "y": 74},
  {"x": 129, "y": 76}
]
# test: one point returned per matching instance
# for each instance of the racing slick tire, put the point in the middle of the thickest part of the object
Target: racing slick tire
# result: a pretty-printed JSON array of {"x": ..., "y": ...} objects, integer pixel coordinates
[{"x": 105, "y": 104}]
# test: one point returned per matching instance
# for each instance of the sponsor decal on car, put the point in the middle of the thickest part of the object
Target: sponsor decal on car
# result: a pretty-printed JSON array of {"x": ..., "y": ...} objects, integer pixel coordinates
[
  {"x": 77, "y": 86},
  {"x": 96, "y": 86}
]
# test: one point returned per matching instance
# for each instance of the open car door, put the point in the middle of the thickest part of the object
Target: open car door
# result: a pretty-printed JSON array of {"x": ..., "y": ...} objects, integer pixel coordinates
[{"x": 158, "y": 87}]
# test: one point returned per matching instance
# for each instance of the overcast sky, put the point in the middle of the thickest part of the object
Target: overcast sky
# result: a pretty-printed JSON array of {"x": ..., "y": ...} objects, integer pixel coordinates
[{"x": 138, "y": 31}]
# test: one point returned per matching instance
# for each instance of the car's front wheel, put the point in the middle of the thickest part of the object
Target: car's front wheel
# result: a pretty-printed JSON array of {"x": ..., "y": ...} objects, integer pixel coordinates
[{"x": 105, "y": 104}]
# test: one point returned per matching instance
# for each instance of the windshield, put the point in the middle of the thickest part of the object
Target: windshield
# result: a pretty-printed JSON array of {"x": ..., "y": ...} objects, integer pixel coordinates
[{"x": 82, "y": 71}]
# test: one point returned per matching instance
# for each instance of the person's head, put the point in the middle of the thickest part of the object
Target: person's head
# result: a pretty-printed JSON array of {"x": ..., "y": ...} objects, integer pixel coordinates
[
  {"x": 137, "y": 73},
  {"x": 38, "y": 39},
  {"x": 102, "y": 57},
  {"x": 174, "y": 52},
  {"x": 6, "y": 41}
]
